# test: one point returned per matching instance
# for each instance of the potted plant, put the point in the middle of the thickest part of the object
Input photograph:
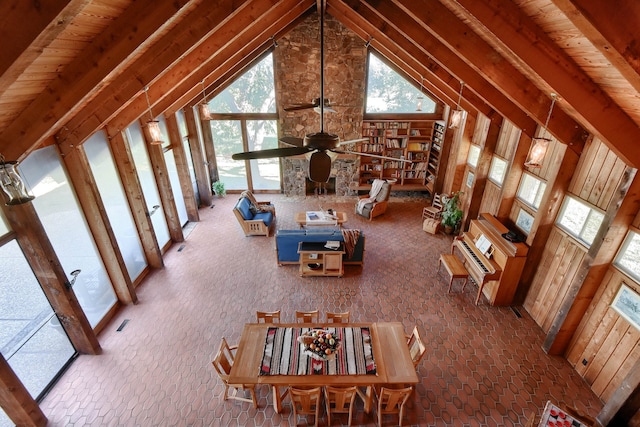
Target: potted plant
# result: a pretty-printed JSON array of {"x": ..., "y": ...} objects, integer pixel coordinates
[
  {"x": 218, "y": 188},
  {"x": 451, "y": 212}
]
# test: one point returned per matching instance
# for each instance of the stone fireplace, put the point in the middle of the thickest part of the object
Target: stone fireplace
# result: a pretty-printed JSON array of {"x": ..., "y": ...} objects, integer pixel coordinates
[{"x": 343, "y": 180}]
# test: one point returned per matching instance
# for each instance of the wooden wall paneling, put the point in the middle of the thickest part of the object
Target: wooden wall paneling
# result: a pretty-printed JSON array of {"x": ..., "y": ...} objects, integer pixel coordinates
[
  {"x": 624, "y": 403},
  {"x": 562, "y": 277},
  {"x": 594, "y": 169},
  {"x": 591, "y": 320},
  {"x": 481, "y": 171},
  {"x": 127, "y": 171},
  {"x": 491, "y": 199},
  {"x": 624, "y": 353},
  {"x": 582, "y": 168},
  {"x": 611, "y": 340},
  {"x": 197, "y": 153},
  {"x": 563, "y": 326},
  {"x": 537, "y": 287},
  {"x": 458, "y": 146},
  {"x": 85, "y": 188},
  {"x": 608, "y": 185},
  {"x": 16, "y": 401},
  {"x": 182, "y": 167},
  {"x": 44, "y": 262},
  {"x": 159, "y": 166}
]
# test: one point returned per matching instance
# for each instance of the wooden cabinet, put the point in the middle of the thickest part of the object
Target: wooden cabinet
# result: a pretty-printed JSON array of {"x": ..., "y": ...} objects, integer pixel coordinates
[
  {"x": 419, "y": 141},
  {"x": 317, "y": 260}
]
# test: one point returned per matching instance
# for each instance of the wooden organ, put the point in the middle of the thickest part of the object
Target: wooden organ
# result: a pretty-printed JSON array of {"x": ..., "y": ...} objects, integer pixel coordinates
[{"x": 492, "y": 261}]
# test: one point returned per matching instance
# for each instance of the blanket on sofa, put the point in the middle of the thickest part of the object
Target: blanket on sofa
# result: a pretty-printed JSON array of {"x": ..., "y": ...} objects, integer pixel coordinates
[{"x": 350, "y": 239}]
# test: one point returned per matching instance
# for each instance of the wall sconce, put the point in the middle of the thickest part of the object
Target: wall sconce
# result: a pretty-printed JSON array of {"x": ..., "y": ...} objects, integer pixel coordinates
[
  {"x": 420, "y": 97},
  {"x": 203, "y": 108},
  {"x": 152, "y": 124},
  {"x": 540, "y": 144},
  {"x": 12, "y": 183},
  {"x": 458, "y": 114}
]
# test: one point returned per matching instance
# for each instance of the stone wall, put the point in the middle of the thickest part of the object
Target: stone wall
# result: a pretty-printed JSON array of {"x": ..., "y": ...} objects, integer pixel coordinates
[{"x": 297, "y": 75}]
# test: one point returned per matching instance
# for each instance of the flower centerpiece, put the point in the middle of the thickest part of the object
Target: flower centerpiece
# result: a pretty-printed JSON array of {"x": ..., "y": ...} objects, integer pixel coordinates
[{"x": 319, "y": 344}]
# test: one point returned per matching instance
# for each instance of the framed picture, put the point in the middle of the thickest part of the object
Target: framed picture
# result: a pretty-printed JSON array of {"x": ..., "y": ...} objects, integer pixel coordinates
[
  {"x": 470, "y": 177},
  {"x": 627, "y": 304},
  {"x": 524, "y": 221}
]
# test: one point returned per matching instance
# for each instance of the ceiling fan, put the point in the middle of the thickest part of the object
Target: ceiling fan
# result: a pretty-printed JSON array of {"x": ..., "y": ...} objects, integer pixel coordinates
[{"x": 319, "y": 146}]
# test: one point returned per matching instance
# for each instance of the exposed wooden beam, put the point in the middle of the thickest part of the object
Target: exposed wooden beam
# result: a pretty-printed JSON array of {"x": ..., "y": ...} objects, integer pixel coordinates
[
  {"x": 24, "y": 43},
  {"x": 398, "y": 22},
  {"x": 16, "y": 401},
  {"x": 593, "y": 108},
  {"x": 204, "y": 21},
  {"x": 469, "y": 47},
  {"x": 223, "y": 51},
  {"x": 107, "y": 55},
  {"x": 609, "y": 27}
]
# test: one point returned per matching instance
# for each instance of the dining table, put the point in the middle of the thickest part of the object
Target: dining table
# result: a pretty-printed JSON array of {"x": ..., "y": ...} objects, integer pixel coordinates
[{"x": 387, "y": 342}]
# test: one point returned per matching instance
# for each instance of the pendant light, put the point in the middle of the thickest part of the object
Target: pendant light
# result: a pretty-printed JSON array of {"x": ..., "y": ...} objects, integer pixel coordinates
[
  {"x": 12, "y": 184},
  {"x": 205, "y": 113},
  {"x": 456, "y": 116},
  {"x": 540, "y": 144},
  {"x": 153, "y": 125}
]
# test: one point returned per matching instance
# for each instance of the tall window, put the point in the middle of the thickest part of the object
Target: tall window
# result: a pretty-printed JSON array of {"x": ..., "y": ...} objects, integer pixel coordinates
[
  {"x": 249, "y": 124},
  {"x": 388, "y": 92},
  {"x": 628, "y": 259},
  {"x": 531, "y": 190}
]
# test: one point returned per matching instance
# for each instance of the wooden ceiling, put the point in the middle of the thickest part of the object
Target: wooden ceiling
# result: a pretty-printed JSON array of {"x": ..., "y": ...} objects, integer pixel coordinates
[{"x": 71, "y": 67}]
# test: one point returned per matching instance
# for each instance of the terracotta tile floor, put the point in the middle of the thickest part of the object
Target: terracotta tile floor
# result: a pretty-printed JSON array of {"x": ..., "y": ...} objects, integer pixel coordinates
[{"x": 484, "y": 365}]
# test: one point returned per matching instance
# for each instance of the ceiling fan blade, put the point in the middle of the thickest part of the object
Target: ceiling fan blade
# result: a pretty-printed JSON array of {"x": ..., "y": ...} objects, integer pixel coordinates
[
  {"x": 395, "y": 159},
  {"x": 269, "y": 154},
  {"x": 299, "y": 107},
  {"x": 292, "y": 141},
  {"x": 327, "y": 109},
  {"x": 351, "y": 141},
  {"x": 319, "y": 167}
]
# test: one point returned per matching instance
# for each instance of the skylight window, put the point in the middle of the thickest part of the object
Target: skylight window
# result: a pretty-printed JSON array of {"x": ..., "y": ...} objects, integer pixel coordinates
[{"x": 389, "y": 92}]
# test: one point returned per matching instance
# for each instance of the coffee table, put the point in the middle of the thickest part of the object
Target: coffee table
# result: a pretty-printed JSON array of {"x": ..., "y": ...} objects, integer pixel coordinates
[{"x": 323, "y": 218}]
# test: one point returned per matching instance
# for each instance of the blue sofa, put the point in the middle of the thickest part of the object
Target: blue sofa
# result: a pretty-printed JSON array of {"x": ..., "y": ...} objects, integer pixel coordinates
[
  {"x": 252, "y": 221},
  {"x": 287, "y": 244}
]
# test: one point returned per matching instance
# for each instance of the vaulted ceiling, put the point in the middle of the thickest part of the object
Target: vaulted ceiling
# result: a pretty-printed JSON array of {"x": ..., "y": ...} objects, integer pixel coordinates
[{"x": 71, "y": 67}]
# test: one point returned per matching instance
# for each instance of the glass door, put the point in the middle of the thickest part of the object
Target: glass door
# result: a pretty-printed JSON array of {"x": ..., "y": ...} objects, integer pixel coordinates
[{"x": 32, "y": 340}]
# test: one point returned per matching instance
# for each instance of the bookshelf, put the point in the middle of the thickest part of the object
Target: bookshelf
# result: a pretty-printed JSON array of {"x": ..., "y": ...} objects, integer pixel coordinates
[{"x": 419, "y": 141}]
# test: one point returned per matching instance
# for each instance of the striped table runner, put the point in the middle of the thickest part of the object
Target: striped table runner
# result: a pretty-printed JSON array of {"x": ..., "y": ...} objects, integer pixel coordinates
[{"x": 284, "y": 355}]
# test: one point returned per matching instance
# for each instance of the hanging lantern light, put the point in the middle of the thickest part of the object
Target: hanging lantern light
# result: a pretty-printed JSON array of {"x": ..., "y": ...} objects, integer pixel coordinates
[
  {"x": 12, "y": 184},
  {"x": 153, "y": 125},
  {"x": 540, "y": 144},
  {"x": 205, "y": 113},
  {"x": 457, "y": 115}
]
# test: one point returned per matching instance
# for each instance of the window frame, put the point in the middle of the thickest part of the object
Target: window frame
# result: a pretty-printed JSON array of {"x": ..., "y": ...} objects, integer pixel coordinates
[
  {"x": 503, "y": 175},
  {"x": 543, "y": 186},
  {"x": 592, "y": 209},
  {"x": 631, "y": 234}
]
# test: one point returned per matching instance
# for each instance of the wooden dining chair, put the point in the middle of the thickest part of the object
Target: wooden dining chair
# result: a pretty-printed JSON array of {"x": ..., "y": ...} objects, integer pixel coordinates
[
  {"x": 268, "y": 316},
  {"x": 222, "y": 363},
  {"x": 340, "y": 400},
  {"x": 305, "y": 402},
  {"x": 338, "y": 317},
  {"x": 417, "y": 349},
  {"x": 391, "y": 402},
  {"x": 307, "y": 316}
]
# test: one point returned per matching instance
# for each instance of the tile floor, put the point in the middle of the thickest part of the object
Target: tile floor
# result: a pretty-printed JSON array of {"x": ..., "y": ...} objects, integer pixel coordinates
[{"x": 484, "y": 365}]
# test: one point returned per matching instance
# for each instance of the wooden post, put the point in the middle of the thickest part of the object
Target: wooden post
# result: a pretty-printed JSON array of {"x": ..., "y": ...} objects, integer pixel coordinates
[
  {"x": 183, "y": 168},
  {"x": 16, "y": 401},
  {"x": 199, "y": 163},
  {"x": 126, "y": 169},
  {"x": 79, "y": 171},
  {"x": 156, "y": 156},
  {"x": 209, "y": 150},
  {"x": 625, "y": 401},
  {"x": 46, "y": 266}
]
